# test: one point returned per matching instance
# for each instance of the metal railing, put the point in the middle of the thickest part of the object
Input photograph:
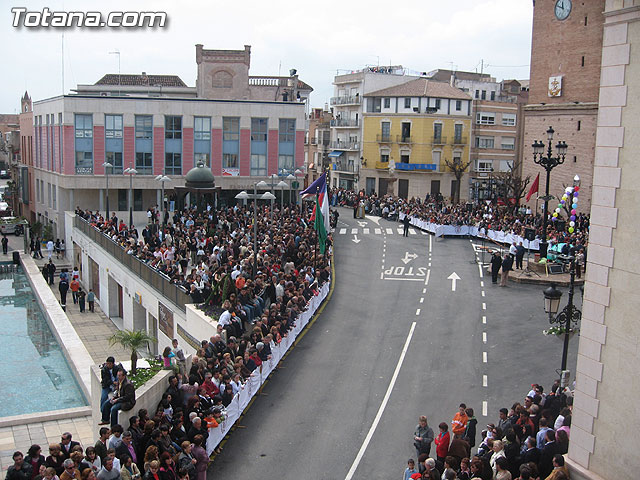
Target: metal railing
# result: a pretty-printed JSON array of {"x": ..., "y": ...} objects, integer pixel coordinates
[
  {"x": 343, "y": 167},
  {"x": 404, "y": 139},
  {"x": 459, "y": 141},
  {"x": 439, "y": 140},
  {"x": 381, "y": 138},
  {"x": 346, "y": 100},
  {"x": 159, "y": 282},
  {"x": 345, "y": 145},
  {"x": 344, "y": 122}
]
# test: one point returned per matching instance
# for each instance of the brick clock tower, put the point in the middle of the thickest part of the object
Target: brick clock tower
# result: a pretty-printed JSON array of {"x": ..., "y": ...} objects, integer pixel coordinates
[{"x": 566, "y": 52}]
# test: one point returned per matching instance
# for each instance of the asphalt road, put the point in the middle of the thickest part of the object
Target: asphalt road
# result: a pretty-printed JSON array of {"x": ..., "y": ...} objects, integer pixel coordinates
[{"x": 321, "y": 415}]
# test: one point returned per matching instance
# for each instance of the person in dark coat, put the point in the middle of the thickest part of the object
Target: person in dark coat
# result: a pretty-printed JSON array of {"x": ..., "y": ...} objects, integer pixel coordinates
[
  {"x": 124, "y": 399},
  {"x": 507, "y": 266},
  {"x": 63, "y": 287},
  {"x": 20, "y": 470},
  {"x": 519, "y": 255},
  {"x": 496, "y": 263},
  {"x": 406, "y": 222},
  {"x": 470, "y": 431},
  {"x": 545, "y": 464},
  {"x": 5, "y": 244},
  {"x": 531, "y": 454}
]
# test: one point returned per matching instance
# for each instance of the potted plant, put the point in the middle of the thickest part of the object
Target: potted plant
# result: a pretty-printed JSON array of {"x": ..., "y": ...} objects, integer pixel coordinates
[
  {"x": 559, "y": 331},
  {"x": 132, "y": 340}
]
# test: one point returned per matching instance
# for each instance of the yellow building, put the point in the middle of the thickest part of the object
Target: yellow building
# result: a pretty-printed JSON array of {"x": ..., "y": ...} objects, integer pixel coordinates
[{"x": 410, "y": 133}]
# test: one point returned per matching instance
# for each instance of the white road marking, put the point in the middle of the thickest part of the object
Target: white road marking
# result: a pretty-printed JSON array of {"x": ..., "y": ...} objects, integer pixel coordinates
[
  {"x": 484, "y": 337},
  {"x": 480, "y": 270},
  {"x": 484, "y": 357},
  {"x": 482, "y": 283},
  {"x": 484, "y": 306},
  {"x": 400, "y": 231},
  {"x": 377, "y": 231},
  {"x": 424, "y": 290},
  {"x": 383, "y": 405},
  {"x": 381, "y": 275},
  {"x": 485, "y": 408},
  {"x": 453, "y": 277},
  {"x": 484, "y": 319},
  {"x": 365, "y": 231},
  {"x": 412, "y": 231},
  {"x": 422, "y": 300},
  {"x": 417, "y": 312},
  {"x": 343, "y": 231},
  {"x": 430, "y": 240},
  {"x": 484, "y": 381},
  {"x": 389, "y": 231},
  {"x": 483, "y": 293},
  {"x": 405, "y": 279},
  {"x": 426, "y": 281},
  {"x": 383, "y": 254},
  {"x": 354, "y": 231}
]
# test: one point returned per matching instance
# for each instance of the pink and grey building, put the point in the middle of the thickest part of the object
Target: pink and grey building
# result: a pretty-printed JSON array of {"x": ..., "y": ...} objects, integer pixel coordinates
[{"x": 245, "y": 129}]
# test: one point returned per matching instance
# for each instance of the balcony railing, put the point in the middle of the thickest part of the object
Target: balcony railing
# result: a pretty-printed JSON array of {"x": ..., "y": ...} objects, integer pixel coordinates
[
  {"x": 345, "y": 145},
  {"x": 346, "y": 100},
  {"x": 381, "y": 138},
  {"x": 159, "y": 282},
  {"x": 343, "y": 167},
  {"x": 312, "y": 141},
  {"x": 344, "y": 122},
  {"x": 440, "y": 140},
  {"x": 403, "y": 139},
  {"x": 408, "y": 167},
  {"x": 459, "y": 141},
  {"x": 382, "y": 165}
]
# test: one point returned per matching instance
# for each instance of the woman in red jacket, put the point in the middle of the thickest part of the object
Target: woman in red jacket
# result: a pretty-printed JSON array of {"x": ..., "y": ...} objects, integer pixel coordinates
[{"x": 442, "y": 441}]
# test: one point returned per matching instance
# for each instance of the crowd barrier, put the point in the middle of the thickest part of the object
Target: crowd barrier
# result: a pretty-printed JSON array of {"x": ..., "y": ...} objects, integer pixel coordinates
[
  {"x": 260, "y": 374},
  {"x": 469, "y": 230}
]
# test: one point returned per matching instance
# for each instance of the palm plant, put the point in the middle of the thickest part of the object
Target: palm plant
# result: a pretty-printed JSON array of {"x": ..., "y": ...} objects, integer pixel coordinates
[{"x": 132, "y": 340}]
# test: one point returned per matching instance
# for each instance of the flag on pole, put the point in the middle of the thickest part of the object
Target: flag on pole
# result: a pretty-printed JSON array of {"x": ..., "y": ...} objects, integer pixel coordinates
[
  {"x": 534, "y": 187},
  {"x": 319, "y": 227},
  {"x": 319, "y": 188}
]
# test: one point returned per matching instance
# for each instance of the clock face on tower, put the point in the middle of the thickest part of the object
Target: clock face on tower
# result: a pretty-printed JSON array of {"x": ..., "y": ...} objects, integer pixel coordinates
[{"x": 562, "y": 9}]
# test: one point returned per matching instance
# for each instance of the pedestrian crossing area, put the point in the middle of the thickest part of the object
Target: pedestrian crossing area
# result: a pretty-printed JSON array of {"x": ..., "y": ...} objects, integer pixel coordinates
[{"x": 378, "y": 231}]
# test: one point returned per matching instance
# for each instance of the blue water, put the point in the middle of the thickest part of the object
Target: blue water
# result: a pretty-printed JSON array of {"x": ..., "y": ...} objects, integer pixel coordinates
[{"x": 34, "y": 374}]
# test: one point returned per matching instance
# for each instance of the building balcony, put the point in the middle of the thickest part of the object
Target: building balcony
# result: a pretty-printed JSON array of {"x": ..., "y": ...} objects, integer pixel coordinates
[
  {"x": 440, "y": 140},
  {"x": 381, "y": 138},
  {"x": 459, "y": 141},
  {"x": 346, "y": 100},
  {"x": 345, "y": 145},
  {"x": 344, "y": 122},
  {"x": 312, "y": 141},
  {"x": 403, "y": 139},
  {"x": 412, "y": 167},
  {"x": 343, "y": 167},
  {"x": 382, "y": 165}
]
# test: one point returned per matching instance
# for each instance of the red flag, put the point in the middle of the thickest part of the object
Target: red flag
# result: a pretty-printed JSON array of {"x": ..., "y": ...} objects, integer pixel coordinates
[{"x": 534, "y": 187}]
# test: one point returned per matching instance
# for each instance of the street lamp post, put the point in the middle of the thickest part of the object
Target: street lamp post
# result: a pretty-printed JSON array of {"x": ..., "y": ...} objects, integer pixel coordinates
[
  {"x": 567, "y": 318},
  {"x": 162, "y": 179},
  {"x": 282, "y": 184},
  {"x": 243, "y": 195},
  {"x": 297, "y": 173},
  {"x": 107, "y": 166},
  {"x": 291, "y": 178},
  {"x": 548, "y": 162},
  {"x": 131, "y": 172}
]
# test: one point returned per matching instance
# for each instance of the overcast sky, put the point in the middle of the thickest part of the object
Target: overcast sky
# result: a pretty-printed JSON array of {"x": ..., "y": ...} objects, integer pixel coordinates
[{"x": 316, "y": 38}]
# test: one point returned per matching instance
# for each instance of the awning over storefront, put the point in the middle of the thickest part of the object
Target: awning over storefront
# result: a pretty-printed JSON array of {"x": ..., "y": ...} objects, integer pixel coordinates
[{"x": 335, "y": 154}]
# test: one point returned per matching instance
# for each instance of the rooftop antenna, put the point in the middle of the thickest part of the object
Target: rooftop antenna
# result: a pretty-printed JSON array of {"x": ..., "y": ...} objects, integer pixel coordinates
[
  {"x": 279, "y": 67},
  {"x": 117, "y": 52}
]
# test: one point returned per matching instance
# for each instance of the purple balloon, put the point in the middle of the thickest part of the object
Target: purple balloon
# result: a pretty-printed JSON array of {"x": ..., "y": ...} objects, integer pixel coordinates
[
  {"x": 572, "y": 218},
  {"x": 562, "y": 202},
  {"x": 575, "y": 194},
  {"x": 553, "y": 219}
]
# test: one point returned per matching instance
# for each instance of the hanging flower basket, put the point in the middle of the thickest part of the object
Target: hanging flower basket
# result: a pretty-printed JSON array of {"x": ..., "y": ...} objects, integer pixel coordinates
[{"x": 560, "y": 331}]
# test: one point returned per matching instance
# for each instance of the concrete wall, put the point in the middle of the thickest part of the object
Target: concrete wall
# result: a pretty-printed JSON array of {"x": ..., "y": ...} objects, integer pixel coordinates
[{"x": 604, "y": 426}]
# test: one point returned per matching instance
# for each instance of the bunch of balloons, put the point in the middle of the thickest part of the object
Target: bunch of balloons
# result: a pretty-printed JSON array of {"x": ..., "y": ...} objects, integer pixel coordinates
[{"x": 570, "y": 198}]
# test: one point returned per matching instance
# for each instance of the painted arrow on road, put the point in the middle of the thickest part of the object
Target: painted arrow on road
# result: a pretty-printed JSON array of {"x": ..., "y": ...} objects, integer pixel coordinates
[
  {"x": 355, "y": 239},
  {"x": 454, "y": 278},
  {"x": 362, "y": 224},
  {"x": 408, "y": 257}
]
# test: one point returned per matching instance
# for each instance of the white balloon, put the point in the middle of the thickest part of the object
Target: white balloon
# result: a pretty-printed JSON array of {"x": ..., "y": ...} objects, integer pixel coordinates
[
  {"x": 573, "y": 224},
  {"x": 557, "y": 210}
]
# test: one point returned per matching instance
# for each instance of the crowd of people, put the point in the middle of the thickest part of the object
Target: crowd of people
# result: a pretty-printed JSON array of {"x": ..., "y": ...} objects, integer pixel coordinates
[
  {"x": 527, "y": 442},
  {"x": 210, "y": 254},
  {"x": 491, "y": 216}
]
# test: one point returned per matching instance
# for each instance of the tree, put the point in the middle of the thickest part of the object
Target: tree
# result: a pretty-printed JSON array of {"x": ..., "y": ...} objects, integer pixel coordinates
[
  {"x": 458, "y": 167},
  {"x": 132, "y": 340},
  {"x": 516, "y": 185}
]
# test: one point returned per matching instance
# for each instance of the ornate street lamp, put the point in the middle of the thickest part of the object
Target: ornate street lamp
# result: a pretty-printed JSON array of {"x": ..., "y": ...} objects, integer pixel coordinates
[{"x": 548, "y": 162}]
